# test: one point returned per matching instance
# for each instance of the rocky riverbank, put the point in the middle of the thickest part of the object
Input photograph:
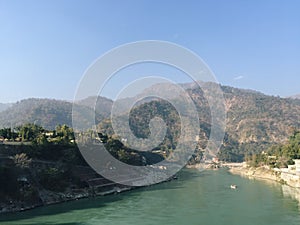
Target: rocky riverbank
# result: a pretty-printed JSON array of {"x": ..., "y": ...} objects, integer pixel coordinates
[
  {"x": 50, "y": 198},
  {"x": 95, "y": 185},
  {"x": 258, "y": 173},
  {"x": 290, "y": 182},
  {"x": 265, "y": 173}
]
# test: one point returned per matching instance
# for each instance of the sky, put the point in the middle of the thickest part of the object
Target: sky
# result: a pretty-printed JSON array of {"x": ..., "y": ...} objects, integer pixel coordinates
[{"x": 46, "y": 46}]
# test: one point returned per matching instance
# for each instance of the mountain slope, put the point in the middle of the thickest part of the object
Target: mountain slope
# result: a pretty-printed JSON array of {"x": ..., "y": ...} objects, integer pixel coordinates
[
  {"x": 254, "y": 120},
  {"x": 103, "y": 105},
  {"x": 45, "y": 112},
  {"x": 251, "y": 116}
]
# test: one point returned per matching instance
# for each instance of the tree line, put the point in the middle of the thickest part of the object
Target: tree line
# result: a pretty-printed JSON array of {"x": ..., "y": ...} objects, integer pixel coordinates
[
  {"x": 37, "y": 134},
  {"x": 278, "y": 156}
]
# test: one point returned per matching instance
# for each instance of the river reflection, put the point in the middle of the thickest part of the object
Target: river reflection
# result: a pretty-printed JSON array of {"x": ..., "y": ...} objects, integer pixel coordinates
[{"x": 291, "y": 192}]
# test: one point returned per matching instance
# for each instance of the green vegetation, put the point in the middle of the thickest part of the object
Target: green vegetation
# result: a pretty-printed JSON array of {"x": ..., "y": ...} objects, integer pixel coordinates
[
  {"x": 278, "y": 156},
  {"x": 54, "y": 178},
  {"x": 28, "y": 155},
  {"x": 22, "y": 161},
  {"x": 127, "y": 155},
  {"x": 45, "y": 112},
  {"x": 7, "y": 133},
  {"x": 139, "y": 119},
  {"x": 34, "y": 158},
  {"x": 254, "y": 122},
  {"x": 59, "y": 145},
  {"x": 38, "y": 154}
]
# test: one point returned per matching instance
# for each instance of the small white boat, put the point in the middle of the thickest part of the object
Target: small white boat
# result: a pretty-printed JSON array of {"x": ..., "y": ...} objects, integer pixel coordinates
[{"x": 233, "y": 186}]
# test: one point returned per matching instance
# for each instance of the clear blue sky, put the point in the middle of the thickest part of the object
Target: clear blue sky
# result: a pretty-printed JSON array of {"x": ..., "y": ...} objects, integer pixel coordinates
[{"x": 45, "y": 46}]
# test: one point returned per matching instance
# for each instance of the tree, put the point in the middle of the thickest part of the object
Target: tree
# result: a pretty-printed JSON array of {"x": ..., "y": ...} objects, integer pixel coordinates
[
  {"x": 8, "y": 133},
  {"x": 40, "y": 140},
  {"x": 64, "y": 134},
  {"x": 29, "y": 132},
  {"x": 22, "y": 161}
]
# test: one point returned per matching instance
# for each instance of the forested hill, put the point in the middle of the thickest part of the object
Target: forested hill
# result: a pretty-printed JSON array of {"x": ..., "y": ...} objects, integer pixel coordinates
[
  {"x": 101, "y": 104},
  {"x": 255, "y": 117},
  {"x": 44, "y": 112},
  {"x": 254, "y": 120},
  {"x": 47, "y": 112},
  {"x": 252, "y": 117}
]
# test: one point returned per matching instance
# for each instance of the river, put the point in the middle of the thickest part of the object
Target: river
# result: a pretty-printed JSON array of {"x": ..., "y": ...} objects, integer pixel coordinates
[{"x": 196, "y": 198}]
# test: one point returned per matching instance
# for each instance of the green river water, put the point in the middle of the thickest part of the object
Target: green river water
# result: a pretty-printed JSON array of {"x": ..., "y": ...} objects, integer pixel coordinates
[{"x": 196, "y": 198}]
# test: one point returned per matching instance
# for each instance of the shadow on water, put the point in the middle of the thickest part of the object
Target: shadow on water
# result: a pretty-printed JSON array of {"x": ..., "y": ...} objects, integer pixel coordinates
[
  {"x": 53, "y": 223},
  {"x": 97, "y": 202},
  {"x": 88, "y": 203}
]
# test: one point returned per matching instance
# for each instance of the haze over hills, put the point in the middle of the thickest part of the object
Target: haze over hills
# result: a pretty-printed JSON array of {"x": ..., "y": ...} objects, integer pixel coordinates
[
  {"x": 4, "y": 106},
  {"x": 295, "y": 96}
]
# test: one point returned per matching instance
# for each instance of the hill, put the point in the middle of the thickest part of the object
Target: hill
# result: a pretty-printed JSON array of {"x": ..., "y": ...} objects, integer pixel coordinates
[
  {"x": 254, "y": 121},
  {"x": 103, "y": 105},
  {"x": 46, "y": 112}
]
